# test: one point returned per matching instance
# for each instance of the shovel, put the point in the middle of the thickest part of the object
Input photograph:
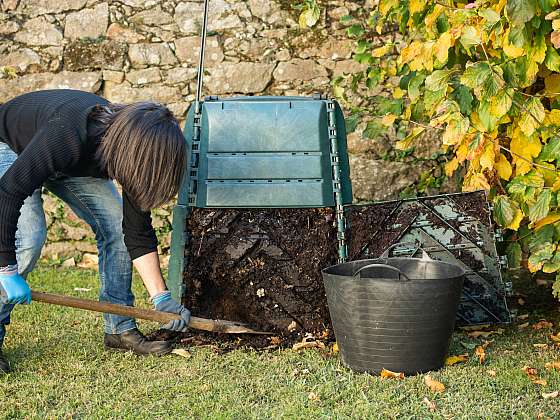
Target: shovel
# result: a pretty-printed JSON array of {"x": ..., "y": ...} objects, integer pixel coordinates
[{"x": 212, "y": 325}]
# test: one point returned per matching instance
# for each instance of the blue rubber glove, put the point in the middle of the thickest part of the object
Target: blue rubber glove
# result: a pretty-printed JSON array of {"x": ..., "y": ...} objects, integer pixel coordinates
[
  {"x": 13, "y": 288},
  {"x": 165, "y": 303}
]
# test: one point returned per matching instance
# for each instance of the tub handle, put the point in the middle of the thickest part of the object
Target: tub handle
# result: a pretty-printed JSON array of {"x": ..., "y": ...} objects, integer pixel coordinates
[
  {"x": 401, "y": 275},
  {"x": 425, "y": 255}
]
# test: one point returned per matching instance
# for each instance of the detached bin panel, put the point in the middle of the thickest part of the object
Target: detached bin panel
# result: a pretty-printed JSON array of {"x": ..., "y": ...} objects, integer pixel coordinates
[{"x": 268, "y": 152}]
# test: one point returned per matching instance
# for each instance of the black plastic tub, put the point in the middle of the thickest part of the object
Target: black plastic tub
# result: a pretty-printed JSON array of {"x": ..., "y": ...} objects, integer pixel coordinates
[{"x": 394, "y": 313}]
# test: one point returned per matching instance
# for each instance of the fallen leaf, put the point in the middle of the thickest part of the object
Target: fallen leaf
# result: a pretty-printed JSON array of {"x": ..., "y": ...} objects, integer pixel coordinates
[
  {"x": 292, "y": 327},
  {"x": 388, "y": 374},
  {"x": 480, "y": 353},
  {"x": 452, "y": 360},
  {"x": 308, "y": 343},
  {"x": 553, "y": 365},
  {"x": 522, "y": 326},
  {"x": 531, "y": 371},
  {"x": 468, "y": 346},
  {"x": 491, "y": 372},
  {"x": 550, "y": 395},
  {"x": 475, "y": 327},
  {"x": 275, "y": 341},
  {"x": 524, "y": 316},
  {"x": 476, "y": 334},
  {"x": 486, "y": 343},
  {"x": 521, "y": 301},
  {"x": 430, "y": 404},
  {"x": 555, "y": 338},
  {"x": 181, "y": 352},
  {"x": 335, "y": 348},
  {"x": 313, "y": 397},
  {"x": 540, "y": 345},
  {"x": 435, "y": 386},
  {"x": 542, "y": 324},
  {"x": 539, "y": 381}
]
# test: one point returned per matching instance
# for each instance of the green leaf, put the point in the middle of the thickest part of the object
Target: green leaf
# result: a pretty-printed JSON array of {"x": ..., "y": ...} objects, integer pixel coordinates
[
  {"x": 552, "y": 59},
  {"x": 543, "y": 253},
  {"x": 374, "y": 129},
  {"x": 486, "y": 81},
  {"x": 541, "y": 207},
  {"x": 388, "y": 106},
  {"x": 551, "y": 150},
  {"x": 532, "y": 116},
  {"x": 414, "y": 86},
  {"x": 501, "y": 103},
  {"x": 504, "y": 210},
  {"x": 489, "y": 121},
  {"x": 553, "y": 265},
  {"x": 520, "y": 11},
  {"x": 470, "y": 37},
  {"x": 438, "y": 80},
  {"x": 541, "y": 238},
  {"x": 514, "y": 255},
  {"x": 462, "y": 95},
  {"x": 352, "y": 122},
  {"x": 355, "y": 31},
  {"x": 433, "y": 99},
  {"x": 490, "y": 15}
]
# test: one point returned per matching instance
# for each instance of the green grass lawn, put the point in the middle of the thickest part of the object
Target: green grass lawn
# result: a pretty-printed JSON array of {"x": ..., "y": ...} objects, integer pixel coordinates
[{"x": 61, "y": 370}]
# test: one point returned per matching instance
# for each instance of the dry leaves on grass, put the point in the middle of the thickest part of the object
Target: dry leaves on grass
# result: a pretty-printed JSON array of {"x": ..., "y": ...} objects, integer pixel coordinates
[
  {"x": 542, "y": 324},
  {"x": 553, "y": 365},
  {"x": 452, "y": 360},
  {"x": 523, "y": 326},
  {"x": 491, "y": 372},
  {"x": 522, "y": 317},
  {"x": 532, "y": 374},
  {"x": 435, "y": 386},
  {"x": 309, "y": 343},
  {"x": 430, "y": 404},
  {"x": 181, "y": 352},
  {"x": 389, "y": 374},
  {"x": 477, "y": 334},
  {"x": 334, "y": 348},
  {"x": 480, "y": 353},
  {"x": 555, "y": 337},
  {"x": 540, "y": 346},
  {"x": 313, "y": 397},
  {"x": 550, "y": 395}
]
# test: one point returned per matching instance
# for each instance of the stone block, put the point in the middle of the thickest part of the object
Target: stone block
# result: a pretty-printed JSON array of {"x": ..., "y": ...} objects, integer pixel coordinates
[
  {"x": 144, "y": 76},
  {"x": 263, "y": 8},
  {"x": 221, "y": 16},
  {"x": 124, "y": 92},
  {"x": 152, "y": 17},
  {"x": 188, "y": 50},
  {"x": 300, "y": 70},
  {"x": 154, "y": 54},
  {"x": 348, "y": 67},
  {"x": 83, "y": 54},
  {"x": 87, "y": 81},
  {"x": 113, "y": 76},
  {"x": 41, "y": 7},
  {"x": 87, "y": 23},
  {"x": 180, "y": 75},
  {"x": 40, "y": 32},
  {"x": 374, "y": 180},
  {"x": 22, "y": 60},
  {"x": 243, "y": 77},
  {"x": 122, "y": 34}
]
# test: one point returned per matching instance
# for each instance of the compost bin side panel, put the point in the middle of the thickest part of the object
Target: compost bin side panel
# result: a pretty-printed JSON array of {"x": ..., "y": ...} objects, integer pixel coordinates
[{"x": 260, "y": 266}]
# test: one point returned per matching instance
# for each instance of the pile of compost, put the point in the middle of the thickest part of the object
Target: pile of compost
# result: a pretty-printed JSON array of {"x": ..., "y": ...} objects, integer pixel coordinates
[{"x": 261, "y": 267}]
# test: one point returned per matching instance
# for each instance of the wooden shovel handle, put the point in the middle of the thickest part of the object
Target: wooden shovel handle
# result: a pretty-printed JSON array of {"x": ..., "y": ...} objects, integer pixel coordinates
[{"x": 133, "y": 312}]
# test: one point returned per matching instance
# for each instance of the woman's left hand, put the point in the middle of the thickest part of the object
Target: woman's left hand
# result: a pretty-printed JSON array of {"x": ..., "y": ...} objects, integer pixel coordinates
[{"x": 165, "y": 303}]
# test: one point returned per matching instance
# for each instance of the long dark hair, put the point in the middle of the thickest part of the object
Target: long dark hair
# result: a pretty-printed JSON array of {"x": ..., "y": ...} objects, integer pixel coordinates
[{"x": 142, "y": 148}]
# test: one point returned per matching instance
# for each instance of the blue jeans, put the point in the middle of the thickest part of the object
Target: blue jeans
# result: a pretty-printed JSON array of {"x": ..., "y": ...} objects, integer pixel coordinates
[{"x": 99, "y": 204}]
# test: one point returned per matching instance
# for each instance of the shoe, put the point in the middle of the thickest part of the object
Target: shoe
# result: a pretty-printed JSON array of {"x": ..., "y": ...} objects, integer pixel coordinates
[
  {"x": 4, "y": 365},
  {"x": 134, "y": 340}
]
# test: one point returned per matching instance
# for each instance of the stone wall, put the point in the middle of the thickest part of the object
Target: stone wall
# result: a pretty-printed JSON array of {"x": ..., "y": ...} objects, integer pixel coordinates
[{"x": 133, "y": 50}]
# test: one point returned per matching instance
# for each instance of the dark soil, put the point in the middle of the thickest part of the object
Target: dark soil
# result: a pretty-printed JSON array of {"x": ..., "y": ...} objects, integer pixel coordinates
[{"x": 261, "y": 267}]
